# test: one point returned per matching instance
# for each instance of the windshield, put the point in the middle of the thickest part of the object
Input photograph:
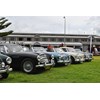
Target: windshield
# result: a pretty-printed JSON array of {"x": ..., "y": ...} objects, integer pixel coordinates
[
  {"x": 38, "y": 49},
  {"x": 58, "y": 50},
  {"x": 16, "y": 48},
  {"x": 11, "y": 48},
  {"x": 26, "y": 49},
  {"x": 78, "y": 50},
  {"x": 71, "y": 50},
  {"x": 2, "y": 49}
]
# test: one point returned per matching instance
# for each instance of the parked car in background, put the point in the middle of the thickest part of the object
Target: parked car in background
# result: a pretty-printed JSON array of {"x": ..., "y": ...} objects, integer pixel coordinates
[
  {"x": 62, "y": 53},
  {"x": 41, "y": 51},
  {"x": 59, "y": 58},
  {"x": 87, "y": 56},
  {"x": 75, "y": 56},
  {"x": 28, "y": 62},
  {"x": 5, "y": 63}
]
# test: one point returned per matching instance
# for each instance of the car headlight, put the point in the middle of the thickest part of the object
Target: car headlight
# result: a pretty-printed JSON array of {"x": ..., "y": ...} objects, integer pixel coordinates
[
  {"x": 52, "y": 56},
  {"x": 60, "y": 56},
  {"x": 2, "y": 64},
  {"x": 38, "y": 58},
  {"x": 87, "y": 55},
  {"x": 8, "y": 60},
  {"x": 77, "y": 57}
]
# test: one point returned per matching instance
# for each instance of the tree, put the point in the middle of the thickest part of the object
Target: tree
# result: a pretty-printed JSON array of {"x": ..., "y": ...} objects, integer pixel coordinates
[{"x": 4, "y": 24}]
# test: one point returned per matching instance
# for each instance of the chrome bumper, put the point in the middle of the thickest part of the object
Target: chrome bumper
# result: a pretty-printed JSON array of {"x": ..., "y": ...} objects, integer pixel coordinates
[
  {"x": 44, "y": 65},
  {"x": 79, "y": 60},
  {"x": 6, "y": 70},
  {"x": 88, "y": 58},
  {"x": 63, "y": 61}
]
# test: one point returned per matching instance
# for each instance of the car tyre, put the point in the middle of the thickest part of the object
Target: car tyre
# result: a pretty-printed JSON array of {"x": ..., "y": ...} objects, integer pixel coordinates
[
  {"x": 72, "y": 60},
  {"x": 4, "y": 75},
  {"x": 55, "y": 61},
  {"x": 28, "y": 66},
  {"x": 66, "y": 63}
]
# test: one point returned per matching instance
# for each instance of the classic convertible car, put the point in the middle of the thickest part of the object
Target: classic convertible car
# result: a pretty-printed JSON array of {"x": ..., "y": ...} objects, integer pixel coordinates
[
  {"x": 59, "y": 58},
  {"x": 5, "y": 62},
  {"x": 28, "y": 62},
  {"x": 87, "y": 56},
  {"x": 60, "y": 55},
  {"x": 42, "y": 51},
  {"x": 75, "y": 56}
]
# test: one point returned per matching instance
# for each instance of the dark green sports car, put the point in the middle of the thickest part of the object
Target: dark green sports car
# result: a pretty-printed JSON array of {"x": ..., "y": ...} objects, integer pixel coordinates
[
  {"x": 26, "y": 61},
  {"x": 5, "y": 63}
]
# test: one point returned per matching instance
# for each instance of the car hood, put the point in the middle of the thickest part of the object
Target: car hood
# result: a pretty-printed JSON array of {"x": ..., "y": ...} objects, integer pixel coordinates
[
  {"x": 72, "y": 53},
  {"x": 3, "y": 56},
  {"x": 24, "y": 54},
  {"x": 53, "y": 53}
]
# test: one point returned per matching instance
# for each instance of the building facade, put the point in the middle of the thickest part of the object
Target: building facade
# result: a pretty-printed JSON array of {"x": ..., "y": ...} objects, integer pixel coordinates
[{"x": 54, "y": 39}]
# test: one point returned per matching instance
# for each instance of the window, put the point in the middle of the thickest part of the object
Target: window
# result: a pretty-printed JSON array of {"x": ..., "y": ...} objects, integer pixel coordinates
[
  {"x": 84, "y": 40},
  {"x": 52, "y": 39},
  {"x": 98, "y": 40},
  {"x": 4, "y": 38},
  {"x": 44, "y": 39},
  {"x": 28, "y": 39},
  {"x": 76, "y": 40},
  {"x": 36, "y": 39},
  {"x": 60, "y": 39},
  {"x": 20, "y": 39},
  {"x": 12, "y": 39},
  {"x": 68, "y": 40}
]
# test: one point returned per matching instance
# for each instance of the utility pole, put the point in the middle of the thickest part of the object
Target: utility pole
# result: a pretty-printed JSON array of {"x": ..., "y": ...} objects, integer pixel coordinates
[
  {"x": 90, "y": 43},
  {"x": 64, "y": 30}
]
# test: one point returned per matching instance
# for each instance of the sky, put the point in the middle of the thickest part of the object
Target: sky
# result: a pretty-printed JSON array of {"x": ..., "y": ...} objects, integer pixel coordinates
[{"x": 55, "y": 24}]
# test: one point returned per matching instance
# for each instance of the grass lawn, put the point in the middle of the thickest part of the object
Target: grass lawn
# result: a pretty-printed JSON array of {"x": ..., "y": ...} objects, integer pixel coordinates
[{"x": 88, "y": 72}]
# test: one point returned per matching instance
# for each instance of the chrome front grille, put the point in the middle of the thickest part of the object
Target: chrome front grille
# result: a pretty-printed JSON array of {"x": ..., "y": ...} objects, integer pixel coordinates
[
  {"x": 43, "y": 58},
  {"x": 81, "y": 57},
  {"x": 90, "y": 56},
  {"x": 64, "y": 58}
]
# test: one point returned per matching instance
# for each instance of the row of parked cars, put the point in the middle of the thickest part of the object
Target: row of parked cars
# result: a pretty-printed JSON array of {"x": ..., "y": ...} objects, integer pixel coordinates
[{"x": 30, "y": 59}]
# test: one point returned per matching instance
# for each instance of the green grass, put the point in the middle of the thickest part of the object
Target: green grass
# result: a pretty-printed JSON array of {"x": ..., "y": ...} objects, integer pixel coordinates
[{"x": 88, "y": 72}]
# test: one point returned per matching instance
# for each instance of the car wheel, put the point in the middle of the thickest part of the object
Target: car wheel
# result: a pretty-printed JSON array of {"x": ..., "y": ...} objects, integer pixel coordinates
[
  {"x": 4, "y": 75},
  {"x": 66, "y": 63},
  {"x": 53, "y": 63},
  {"x": 72, "y": 60},
  {"x": 89, "y": 60},
  {"x": 81, "y": 62},
  {"x": 28, "y": 66}
]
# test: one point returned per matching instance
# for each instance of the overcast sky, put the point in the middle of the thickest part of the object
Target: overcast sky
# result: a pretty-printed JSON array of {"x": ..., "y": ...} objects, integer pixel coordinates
[{"x": 55, "y": 24}]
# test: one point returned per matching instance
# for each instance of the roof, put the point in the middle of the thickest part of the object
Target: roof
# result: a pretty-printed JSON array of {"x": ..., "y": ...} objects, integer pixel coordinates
[{"x": 54, "y": 43}]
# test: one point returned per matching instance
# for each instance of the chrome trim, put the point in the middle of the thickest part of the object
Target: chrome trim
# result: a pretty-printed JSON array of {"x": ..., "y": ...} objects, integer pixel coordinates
[
  {"x": 5, "y": 70},
  {"x": 44, "y": 65},
  {"x": 63, "y": 61}
]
